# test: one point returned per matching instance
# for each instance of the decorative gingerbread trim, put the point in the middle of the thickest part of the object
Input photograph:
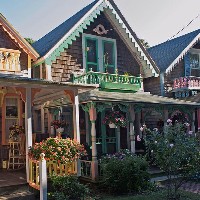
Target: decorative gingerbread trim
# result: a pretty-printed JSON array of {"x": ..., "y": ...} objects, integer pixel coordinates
[{"x": 100, "y": 29}]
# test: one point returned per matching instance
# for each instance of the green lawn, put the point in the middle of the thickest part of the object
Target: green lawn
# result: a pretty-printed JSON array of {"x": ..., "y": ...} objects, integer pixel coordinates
[{"x": 160, "y": 195}]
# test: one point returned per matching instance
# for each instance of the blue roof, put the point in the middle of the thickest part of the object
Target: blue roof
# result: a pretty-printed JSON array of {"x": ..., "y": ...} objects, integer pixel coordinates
[
  {"x": 165, "y": 53},
  {"x": 44, "y": 45}
]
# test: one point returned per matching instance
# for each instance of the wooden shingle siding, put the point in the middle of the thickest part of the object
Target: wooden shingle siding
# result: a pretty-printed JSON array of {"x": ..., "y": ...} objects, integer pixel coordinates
[
  {"x": 71, "y": 60},
  {"x": 8, "y": 43},
  {"x": 152, "y": 85}
]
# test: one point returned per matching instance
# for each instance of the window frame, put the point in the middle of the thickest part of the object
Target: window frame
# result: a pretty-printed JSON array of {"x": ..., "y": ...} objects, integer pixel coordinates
[
  {"x": 100, "y": 50},
  {"x": 194, "y": 52}
]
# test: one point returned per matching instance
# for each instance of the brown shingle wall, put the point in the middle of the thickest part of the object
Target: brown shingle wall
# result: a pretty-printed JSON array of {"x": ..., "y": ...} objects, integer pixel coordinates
[
  {"x": 8, "y": 43},
  {"x": 152, "y": 85}
]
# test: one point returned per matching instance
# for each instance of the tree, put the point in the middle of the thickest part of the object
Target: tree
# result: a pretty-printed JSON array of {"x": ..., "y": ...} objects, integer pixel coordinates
[
  {"x": 176, "y": 152},
  {"x": 30, "y": 40},
  {"x": 144, "y": 43}
]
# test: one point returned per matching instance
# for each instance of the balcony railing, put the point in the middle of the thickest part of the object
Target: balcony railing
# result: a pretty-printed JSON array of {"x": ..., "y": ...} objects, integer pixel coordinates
[
  {"x": 9, "y": 60},
  {"x": 190, "y": 83},
  {"x": 109, "y": 81}
]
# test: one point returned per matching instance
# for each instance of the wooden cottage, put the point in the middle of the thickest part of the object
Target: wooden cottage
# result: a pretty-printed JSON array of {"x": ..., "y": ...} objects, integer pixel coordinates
[
  {"x": 178, "y": 62},
  {"x": 91, "y": 65},
  {"x": 96, "y": 46}
]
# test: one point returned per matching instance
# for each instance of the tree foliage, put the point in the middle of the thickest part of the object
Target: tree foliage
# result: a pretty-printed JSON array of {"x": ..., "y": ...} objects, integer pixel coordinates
[
  {"x": 177, "y": 153},
  {"x": 30, "y": 40}
]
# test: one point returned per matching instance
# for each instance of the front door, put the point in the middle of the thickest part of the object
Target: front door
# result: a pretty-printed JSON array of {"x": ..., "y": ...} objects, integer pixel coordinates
[{"x": 106, "y": 137}]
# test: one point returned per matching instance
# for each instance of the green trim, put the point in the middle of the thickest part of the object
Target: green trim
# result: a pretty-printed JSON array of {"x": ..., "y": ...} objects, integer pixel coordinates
[
  {"x": 37, "y": 64},
  {"x": 119, "y": 87},
  {"x": 113, "y": 54},
  {"x": 91, "y": 63}
]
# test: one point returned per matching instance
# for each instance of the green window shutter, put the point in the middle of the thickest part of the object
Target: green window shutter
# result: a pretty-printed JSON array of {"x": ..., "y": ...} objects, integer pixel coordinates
[{"x": 109, "y": 56}]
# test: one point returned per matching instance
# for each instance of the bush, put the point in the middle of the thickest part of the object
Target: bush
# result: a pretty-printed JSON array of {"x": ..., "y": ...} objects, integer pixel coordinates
[
  {"x": 124, "y": 172},
  {"x": 66, "y": 188},
  {"x": 177, "y": 153}
]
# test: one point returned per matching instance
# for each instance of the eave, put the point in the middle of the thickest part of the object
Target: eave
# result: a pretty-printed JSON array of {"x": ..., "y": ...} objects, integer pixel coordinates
[{"x": 18, "y": 38}]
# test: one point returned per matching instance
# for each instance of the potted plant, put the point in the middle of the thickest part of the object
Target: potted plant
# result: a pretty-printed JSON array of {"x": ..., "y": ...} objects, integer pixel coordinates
[
  {"x": 15, "y": 132},
  {"x": 59, "y": 125},
  {"x": 115, "y": 119}
]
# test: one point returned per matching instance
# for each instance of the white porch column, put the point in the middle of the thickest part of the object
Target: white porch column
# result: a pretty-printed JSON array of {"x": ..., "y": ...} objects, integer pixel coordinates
[
  {"x": 87, "y": 128},
  {"x": 42, "y": 119},
  {"x": 28, "y": 125},
  {"x": 118, "y": 139},
  {"x": 48, "y": 72},
  {"x": 132, "y": 136},
  {"x": 94, "y": 164},
  {"x": 193, "y": 120},
  {"x": 76, "y": 118}
]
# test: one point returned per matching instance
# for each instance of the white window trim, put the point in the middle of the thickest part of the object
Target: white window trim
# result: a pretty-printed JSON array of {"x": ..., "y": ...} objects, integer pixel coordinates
[
  {"x": 100, "y": 49},
  {"x": 195, "y": 51}
]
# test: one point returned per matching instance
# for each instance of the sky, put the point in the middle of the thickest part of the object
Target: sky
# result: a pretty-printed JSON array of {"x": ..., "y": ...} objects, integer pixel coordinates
[{"x": 153, "y": 20}]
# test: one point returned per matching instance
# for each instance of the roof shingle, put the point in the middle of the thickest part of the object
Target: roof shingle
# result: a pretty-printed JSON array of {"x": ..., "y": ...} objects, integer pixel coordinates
[{"x": 165, "y": 53}]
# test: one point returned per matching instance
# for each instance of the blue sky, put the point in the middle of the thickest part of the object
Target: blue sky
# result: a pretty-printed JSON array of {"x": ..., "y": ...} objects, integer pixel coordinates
[{"x": 154, "y": 20}]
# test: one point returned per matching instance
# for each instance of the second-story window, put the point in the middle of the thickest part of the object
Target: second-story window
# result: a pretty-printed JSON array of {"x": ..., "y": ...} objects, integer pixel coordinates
[
  {"x": 99, "y": 53},
  {"x": 194, "y": 61}
]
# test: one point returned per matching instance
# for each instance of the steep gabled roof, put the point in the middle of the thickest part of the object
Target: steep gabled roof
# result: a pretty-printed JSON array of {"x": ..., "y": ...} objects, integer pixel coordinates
[
  {"x": 50, "y": 46},
  {"x": 18, "y": 38},
  {"x": 47, "y": 42},
  {"x": 169, "y": 53}
]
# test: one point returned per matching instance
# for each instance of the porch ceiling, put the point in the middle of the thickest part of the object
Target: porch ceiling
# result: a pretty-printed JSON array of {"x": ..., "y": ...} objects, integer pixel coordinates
[{"x": 139, "y": 97}]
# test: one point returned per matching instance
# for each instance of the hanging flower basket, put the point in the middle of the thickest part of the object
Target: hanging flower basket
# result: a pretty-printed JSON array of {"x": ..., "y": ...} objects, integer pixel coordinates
[
  {"x": 112, "y": 125},
  {"x": 59, "y": 130},
  {"x": 116, "y": 118}
]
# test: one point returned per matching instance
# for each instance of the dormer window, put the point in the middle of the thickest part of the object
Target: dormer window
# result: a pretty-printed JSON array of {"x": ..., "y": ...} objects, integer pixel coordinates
[
  {"x": 99, "y": 53},
  {"x": 194, "y": 61}
]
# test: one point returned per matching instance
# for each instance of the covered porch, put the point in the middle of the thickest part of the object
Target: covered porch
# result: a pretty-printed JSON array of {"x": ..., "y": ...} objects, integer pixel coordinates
[
  {"x": 140, "y": 108},
  {"x": 30, "y": 98}
]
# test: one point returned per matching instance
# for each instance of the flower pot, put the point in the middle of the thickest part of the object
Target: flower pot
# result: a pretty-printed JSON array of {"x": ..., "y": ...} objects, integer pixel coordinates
[{"x": 112, "y": 125}]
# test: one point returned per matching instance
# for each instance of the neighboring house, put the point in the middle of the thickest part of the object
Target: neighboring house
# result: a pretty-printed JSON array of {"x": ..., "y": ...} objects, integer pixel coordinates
[
  {"x": 15, "y": 61},
  {"x": 179, "y": 64}
]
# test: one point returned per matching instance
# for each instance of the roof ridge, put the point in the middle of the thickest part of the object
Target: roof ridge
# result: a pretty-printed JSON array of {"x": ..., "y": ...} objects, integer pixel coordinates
[{"x": 173, "y": 39}]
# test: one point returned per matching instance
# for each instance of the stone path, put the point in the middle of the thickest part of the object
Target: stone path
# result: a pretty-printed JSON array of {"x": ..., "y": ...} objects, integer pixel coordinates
[{"x": 191, "y": 187}]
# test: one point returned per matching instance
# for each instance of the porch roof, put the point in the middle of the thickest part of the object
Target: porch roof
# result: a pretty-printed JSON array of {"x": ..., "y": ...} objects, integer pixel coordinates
[
  {"x": 14, "y": 81},
  {"x": 139, "y": 97}
]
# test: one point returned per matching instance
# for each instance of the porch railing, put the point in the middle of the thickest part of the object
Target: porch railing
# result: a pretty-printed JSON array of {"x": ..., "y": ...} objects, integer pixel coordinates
[
  {"x": 9, "y": 60},
  {"x": 52, "y": 168},
  {"x": 187, "y": 83},
  {"x": 86, "y": 169},
  {"x": 100, "y": 78}
]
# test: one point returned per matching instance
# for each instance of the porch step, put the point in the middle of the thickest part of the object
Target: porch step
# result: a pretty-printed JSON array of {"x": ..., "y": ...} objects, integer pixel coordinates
[
  {"x": 20, "y": 192},
  {"x": 19, "y": 196}
]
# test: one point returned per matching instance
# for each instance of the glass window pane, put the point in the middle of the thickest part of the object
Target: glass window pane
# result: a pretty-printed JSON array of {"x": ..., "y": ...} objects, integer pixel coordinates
[
  {"x": 111, "y": 70},
  {"x": 109, "y": 53},
  {"x": 91, "y": 50},
  {"x": 94, "y": 67},
  {"x": 194, "y": 60}
]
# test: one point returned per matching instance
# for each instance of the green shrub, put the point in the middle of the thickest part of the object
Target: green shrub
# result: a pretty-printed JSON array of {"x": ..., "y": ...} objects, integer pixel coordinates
[
  {"x": 124, "y": 172},
  {"x": 177, "y": 153},
  {"x": 66, "y": 188}
]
